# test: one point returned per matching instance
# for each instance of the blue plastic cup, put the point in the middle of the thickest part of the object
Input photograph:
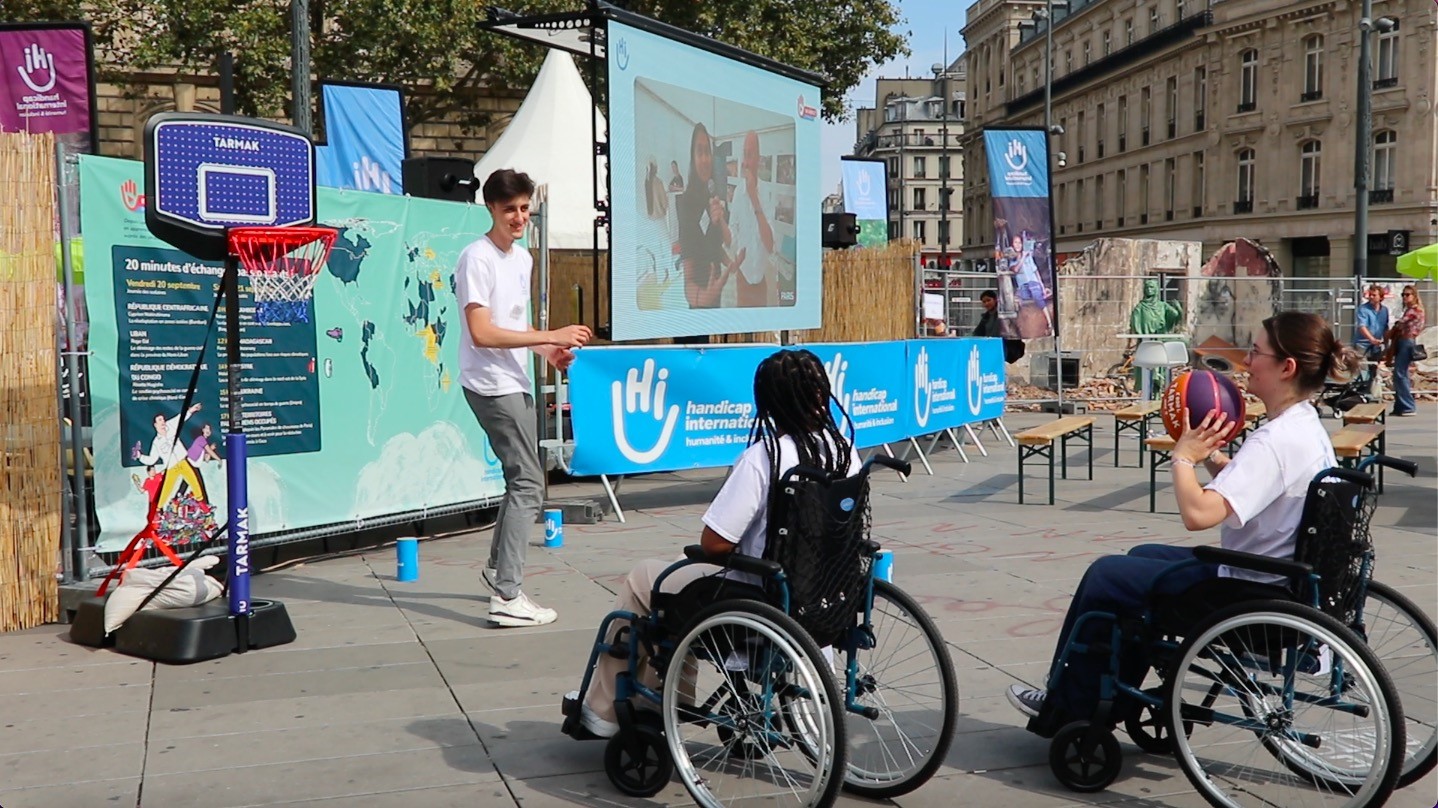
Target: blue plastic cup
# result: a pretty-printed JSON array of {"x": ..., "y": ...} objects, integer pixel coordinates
[
  {"x": 554, "y": 528},
  {"x": 407, "y": 568},
  {"x": 884, "y": 565}
]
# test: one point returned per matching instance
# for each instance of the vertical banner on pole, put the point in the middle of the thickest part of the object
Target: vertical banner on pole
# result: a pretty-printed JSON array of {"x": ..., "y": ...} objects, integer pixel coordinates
[
  {"x": 365, "y": 140},
  {"x": 1018, "y": 162},
  {"x": 866, "y": 195}
]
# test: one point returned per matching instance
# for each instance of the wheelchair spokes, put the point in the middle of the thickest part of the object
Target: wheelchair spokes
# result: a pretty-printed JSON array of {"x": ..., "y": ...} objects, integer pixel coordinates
[{"x": 1404, "y": 637}]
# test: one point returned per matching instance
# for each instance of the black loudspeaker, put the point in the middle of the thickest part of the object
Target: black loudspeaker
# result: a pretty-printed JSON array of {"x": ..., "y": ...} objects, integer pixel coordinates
[
  {"x": 840, "y": 230},
  {"x": 450, "y": 178}
]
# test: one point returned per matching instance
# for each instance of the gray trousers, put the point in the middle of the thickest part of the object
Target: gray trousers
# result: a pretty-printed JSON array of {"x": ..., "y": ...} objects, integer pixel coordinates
[{"x": 509, "y": 421}]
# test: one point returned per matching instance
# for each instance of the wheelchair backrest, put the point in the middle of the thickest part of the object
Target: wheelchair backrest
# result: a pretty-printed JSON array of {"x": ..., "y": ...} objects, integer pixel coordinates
[
  {"x": 819, "y": 531},
  {"x": 1333, "y": 538}
]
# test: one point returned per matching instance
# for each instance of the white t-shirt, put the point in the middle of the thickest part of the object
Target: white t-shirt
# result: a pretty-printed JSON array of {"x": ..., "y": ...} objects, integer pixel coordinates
[
  {"x": 739, "y": 511},
  {"x": 1266, "y": 482},
  {"x": 744, "y": 225},
  {"x": 499, "y": 282}
]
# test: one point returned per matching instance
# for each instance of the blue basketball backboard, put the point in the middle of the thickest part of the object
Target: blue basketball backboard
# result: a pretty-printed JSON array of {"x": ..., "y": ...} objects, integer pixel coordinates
[{"x": 207, "y": 173}]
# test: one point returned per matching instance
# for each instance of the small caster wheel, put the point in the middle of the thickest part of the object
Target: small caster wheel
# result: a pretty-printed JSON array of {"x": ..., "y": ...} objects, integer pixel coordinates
[
  {"x": 637, "y": 762},
  {"x": 1080, "y": 770},
  {"x": 1148, "y": 728}
]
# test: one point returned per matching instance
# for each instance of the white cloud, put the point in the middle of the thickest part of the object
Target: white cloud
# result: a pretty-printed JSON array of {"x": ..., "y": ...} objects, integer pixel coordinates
[{"x": 435, "y": 467}]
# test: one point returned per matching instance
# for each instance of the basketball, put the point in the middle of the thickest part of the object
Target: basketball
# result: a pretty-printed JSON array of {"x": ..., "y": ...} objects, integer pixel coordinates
[{"x": 1201, "y": 391}]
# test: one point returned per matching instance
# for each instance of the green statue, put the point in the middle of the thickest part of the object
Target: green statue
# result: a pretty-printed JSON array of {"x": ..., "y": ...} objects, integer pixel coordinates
[{"x": 1153, "y": 315}]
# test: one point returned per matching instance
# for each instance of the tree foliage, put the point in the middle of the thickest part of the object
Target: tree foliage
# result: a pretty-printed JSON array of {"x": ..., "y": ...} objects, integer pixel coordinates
[{"x": 438, "y": 46}]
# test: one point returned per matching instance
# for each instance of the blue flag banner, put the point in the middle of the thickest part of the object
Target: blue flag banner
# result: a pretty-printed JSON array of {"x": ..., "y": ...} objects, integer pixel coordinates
[
  {"x": 1018, "y": 161},
  {"x": 955, "y": 382},
  {"x": 364, "y": 130}
]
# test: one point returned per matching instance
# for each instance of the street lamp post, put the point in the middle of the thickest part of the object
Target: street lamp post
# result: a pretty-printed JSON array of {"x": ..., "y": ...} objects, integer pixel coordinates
[
  {"x": 941, "y": 72},
  {"x": 1363, "y": 141}
]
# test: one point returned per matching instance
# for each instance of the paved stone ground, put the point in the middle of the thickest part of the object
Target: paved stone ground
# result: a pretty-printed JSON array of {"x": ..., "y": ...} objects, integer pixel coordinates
[{"x": 403, "y": 695}]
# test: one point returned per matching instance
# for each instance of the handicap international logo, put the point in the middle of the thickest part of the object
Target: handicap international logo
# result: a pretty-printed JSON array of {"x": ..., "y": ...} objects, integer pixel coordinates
[
  {"x": 836, "y": 369},
  {"x": 975, "y": 385},
  {"x": 1017, "y": 157},
  {"x": 621, "y": 54},
  {"x": 862, "y": 184},
  {"x": 806, "y": 111},
  {"x": 493, "y": 469},
  {"x": 643, "y": 394},
  {"x": 923, "y": 389}
]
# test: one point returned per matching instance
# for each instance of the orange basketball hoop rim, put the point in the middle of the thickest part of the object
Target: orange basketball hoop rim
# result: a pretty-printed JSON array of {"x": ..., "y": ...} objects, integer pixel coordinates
[{"x": 282, "y": 264}]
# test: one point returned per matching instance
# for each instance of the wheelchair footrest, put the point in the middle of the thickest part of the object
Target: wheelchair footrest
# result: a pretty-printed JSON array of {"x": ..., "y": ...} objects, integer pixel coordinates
[{"x": 573, "y": 726}]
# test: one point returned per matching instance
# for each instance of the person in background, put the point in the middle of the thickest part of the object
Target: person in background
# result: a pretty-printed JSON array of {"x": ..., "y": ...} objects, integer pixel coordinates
[
  {"x": 1369, "y": 328},
  {"x": 988, "y": 321},
  {"x": 1405, "y": 336},
  {"x": 704, "y": 226},
  {"x": 753, "y": 237}
]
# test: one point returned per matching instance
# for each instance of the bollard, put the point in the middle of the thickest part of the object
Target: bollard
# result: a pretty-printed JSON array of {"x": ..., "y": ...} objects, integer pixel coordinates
[
  {"x": 407, "y": 561},
  {"x": 554, "y": 528}
]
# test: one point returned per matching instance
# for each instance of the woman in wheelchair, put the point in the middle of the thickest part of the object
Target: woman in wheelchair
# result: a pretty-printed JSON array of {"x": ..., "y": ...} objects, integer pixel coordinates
[
  {"x": 793, "y": 426},
  {"x": 1256, "y": 497}
]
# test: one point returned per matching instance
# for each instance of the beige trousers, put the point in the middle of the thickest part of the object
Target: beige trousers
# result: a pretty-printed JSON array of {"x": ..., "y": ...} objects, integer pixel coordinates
[{"x": 634, "y": 597}]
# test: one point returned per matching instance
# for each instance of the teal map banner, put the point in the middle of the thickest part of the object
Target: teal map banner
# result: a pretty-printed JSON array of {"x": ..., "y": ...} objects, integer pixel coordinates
[{"x": 353, "y": 417}]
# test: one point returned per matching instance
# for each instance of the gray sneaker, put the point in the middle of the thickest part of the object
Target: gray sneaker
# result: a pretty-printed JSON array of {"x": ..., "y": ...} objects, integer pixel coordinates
[
  {"x": 1027, "y": 700},
  {"x": 490, "y": 576}
]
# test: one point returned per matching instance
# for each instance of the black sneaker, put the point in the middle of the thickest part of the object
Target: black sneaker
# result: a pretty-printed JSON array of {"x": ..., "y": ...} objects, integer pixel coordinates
[{"x": 1027, "y": 700}]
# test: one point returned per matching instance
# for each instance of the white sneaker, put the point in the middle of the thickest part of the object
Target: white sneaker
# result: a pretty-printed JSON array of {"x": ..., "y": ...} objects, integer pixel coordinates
[
  {"x": 519, "y": 611},
  {"x": 490, "y": 576},
  {"x": 591, "y": 719}
]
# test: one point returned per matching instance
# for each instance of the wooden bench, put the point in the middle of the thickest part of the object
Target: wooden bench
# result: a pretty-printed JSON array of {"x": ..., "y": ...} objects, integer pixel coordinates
[
  {"x": 1366, "y": 414},
  {"x": 1354, "y": 442},
  {"x": 1039, "y": 442},
  {"x": 1134, "y": 418},
  {"x": 1161, "y": 452}
]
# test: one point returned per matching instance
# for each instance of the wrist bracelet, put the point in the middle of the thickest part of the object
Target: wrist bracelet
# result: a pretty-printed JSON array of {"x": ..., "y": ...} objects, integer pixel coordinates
[{"x": 1183, "y": 461}]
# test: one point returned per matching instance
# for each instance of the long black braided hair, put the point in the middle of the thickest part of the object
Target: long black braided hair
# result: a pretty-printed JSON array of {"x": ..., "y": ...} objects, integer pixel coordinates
[{"x": 793, "y": 398}]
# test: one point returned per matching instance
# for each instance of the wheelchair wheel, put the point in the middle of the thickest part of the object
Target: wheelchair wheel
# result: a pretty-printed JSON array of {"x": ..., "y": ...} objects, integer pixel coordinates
[
  {"x": 750, "y": 676},
  {"x": 1289, "y": 707},
  {"x": 1085, "y": 758},
  {"x": 1405, "y": 639},
  {"x": 637, "y": 762},
  {"x": 907, "y": 676}
]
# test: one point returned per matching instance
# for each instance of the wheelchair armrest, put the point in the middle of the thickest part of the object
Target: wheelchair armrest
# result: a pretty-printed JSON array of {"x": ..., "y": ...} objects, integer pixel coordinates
[
  {"x": 901, "y": 466},
  {"x": 762, "y": 567},
  {"x": 1295, "y": 570}
]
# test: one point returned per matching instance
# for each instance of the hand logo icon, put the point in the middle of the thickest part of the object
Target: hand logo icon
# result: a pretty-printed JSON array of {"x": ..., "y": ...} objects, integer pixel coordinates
[
  {"x": 39, "y": 70},
  {"x": 643, "y": 394},
  {"x": 1017, "y": 156},
  {"x": 923, "y": 393},
  {"x": 975, "y": 386},
  {"x": 837, "y": 368},
  {"x": 131, "y": 196}
]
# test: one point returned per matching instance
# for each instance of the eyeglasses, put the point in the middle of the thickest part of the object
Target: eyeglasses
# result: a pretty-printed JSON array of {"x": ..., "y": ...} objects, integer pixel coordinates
[{"x": 1252, "y": 352}]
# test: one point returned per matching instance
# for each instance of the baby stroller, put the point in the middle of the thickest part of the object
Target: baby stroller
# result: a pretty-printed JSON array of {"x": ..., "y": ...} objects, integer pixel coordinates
[{"x": 1340, "y": 396}]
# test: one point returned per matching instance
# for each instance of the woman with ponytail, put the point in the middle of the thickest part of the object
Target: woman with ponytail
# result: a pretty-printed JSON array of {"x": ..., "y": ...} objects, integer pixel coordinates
[
  {"x": 793, "y": 426},
  {"x": 1255, "y": 498}
]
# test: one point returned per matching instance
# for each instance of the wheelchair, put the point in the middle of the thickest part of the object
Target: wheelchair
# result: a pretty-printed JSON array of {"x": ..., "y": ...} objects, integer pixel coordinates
[
  {"x": 787, "y": 677},
  {"x": 1269, "y": 693}
]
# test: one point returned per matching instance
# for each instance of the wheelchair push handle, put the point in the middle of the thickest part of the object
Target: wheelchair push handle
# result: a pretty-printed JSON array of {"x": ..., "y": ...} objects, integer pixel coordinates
[
  {"x": 1396, "y": 463},
  {"x": 902, "y": 466}
]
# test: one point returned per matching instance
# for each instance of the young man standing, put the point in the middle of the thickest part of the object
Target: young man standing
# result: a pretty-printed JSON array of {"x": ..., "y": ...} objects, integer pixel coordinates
[{"x": 492, "y": 284}]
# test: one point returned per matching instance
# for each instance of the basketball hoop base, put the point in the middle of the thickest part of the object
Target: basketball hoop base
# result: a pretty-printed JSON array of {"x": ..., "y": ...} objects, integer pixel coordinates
[{"x": 182, "y": 636}]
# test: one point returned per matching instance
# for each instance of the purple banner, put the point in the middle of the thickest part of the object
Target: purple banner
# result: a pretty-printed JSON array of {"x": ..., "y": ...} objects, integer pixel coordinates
[{"x": 45, "y": 82}]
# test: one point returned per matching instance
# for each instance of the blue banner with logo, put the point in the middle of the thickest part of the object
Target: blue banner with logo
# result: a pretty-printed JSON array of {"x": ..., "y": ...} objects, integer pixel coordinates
[
  {"x": 866, "y": 195},
  {"x": 655, "y": 408},
  {"x": 365, "y": 138},
  {"x": 955, "y": 382},
  {"x": 1018, "y": 161},
  {"x": 868, "y": 379}
]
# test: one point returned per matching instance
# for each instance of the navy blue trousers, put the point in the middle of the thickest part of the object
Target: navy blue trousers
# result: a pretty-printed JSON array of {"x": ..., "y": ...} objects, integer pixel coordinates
[{"x": 1120, "y": 585}]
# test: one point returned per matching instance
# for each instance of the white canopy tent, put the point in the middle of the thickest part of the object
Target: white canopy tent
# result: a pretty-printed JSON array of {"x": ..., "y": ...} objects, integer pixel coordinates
[{"x": 550, "y": 140}]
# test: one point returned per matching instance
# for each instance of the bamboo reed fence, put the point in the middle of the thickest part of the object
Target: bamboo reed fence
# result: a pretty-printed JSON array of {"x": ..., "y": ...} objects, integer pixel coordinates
[{"x": 29, "y": 425}]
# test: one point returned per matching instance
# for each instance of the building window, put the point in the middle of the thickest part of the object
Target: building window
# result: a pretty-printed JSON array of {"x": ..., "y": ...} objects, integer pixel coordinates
[
  {"x": 1244, "y": 202},
  {"x": 1248, "y": 81},
  {"x": 1086, "y": 56},
  {"x": 1143, "y": 194},
  {"x": 1079, "y": 135},
  {"x": 893, "y": 166},
  {"x": 920, "y": 167},
  {"x": 1145, "y": 114},
  {"x": 893, "y": 231},
  {"x": 1079, "y": 206},
  {"x": 893, "y": 200},
  {"x": 1312, "y": 68},
  {"x": 1107, "y": 43},
  {"x": 1153, "y": 20},
  {"x": 1309, "y": 174},
  {"x": 1171, "y": 101},
  {"x": 1068, "y": 61},
  {"x": 1098, "y": 202},
  {"x": 1200, "y": 97},
  {"x": 1122, "y": 123},
  {"x": 1196, "y": 194},
  {"x": 1386, "y": 74},
  {"x": 919, "y": 199},
  {"x": 1100, "y": 121},
  {"x": 920, "y": 234},
  {"x": 1180, "y": 9},
  {"x": 1170, "y": 188},
  {"x": 1121, "y": 202},
  {"x": 1385, "y": 150},
  {"x": 944, "y": 166},
  {"x": 1128, "y": 31}
]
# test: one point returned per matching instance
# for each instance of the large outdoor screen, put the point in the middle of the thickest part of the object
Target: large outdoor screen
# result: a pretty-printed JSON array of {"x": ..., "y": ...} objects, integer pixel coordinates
[{"x": 714, "y": 187}]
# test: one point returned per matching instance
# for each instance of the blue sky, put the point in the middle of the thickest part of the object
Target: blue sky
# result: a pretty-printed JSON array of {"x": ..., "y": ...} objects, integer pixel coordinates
[{"x": 924, "y": 24}]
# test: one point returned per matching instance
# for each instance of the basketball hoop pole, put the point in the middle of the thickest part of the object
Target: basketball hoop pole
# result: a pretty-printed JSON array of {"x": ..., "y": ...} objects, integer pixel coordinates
[{"x": 236, "y": 457}]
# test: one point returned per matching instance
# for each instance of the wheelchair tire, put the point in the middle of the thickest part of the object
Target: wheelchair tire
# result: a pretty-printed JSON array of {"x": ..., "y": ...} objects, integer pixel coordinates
[
  {"x": 911, "y": 766},
  {"x": 1248, "y": 641},
  {"x": 637, "y": 762},
  {"x": 1414, "y": 679},
  {"x": 1147, "y": 727},
  {"x": 748, "y": 642},
  {"x": 1085, "y": 771}
]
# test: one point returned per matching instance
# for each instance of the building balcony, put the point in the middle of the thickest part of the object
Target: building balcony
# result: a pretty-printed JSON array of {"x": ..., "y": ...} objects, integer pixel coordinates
[
  {"x": 1308, "y": 202},
  {"x": 1311, "y": 95},
  {"x": 1243, "y": 206},
  {"x": 1385, "y": 83},
  {"x": 1247, "y": 106},
  {"x": 1380, "y": 196}
]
